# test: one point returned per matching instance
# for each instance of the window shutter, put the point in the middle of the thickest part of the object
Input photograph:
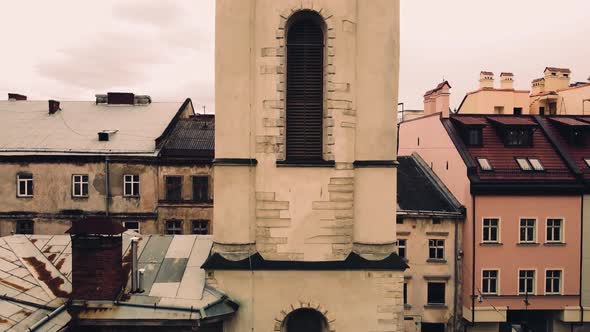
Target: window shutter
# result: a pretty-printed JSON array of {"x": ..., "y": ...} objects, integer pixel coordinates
[{"x": 305, "y": 68}]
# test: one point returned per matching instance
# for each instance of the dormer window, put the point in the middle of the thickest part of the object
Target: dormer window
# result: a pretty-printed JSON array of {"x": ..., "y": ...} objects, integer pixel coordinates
[
  {"x": 519, "y": 137},
  {"x": 587, "y": 161},
  {"x": 530, "y": 164},
  {"x": 577, "y": 137},
  {"x": 484, "y": 164},
  {"x": 473, "y": 136}
]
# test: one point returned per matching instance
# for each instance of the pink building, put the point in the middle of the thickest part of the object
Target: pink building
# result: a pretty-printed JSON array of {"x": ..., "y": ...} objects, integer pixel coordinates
[{"x": 522, "y": 248}]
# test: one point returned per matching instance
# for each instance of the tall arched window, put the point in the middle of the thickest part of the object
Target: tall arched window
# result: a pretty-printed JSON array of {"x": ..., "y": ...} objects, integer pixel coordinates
[
  {"x": 305, "y": 86},
  {"x": 305, "y": 320}
]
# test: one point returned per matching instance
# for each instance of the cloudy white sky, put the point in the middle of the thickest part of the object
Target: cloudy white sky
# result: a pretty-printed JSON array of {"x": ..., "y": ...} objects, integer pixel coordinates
[{"x": 70, "y": 49}]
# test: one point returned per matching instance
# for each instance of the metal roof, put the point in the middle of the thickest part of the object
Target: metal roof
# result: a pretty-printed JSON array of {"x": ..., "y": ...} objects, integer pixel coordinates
[
  {"x": 26, "y": 127},
  {"x": 194, "y": 136},
  {"x": 35, "y": 276}
]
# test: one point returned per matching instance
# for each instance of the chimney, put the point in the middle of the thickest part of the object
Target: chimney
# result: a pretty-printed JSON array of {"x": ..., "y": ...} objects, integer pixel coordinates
[
  {"x": 437, "y": 100},
  {"x": 53, "y": 106},
  {"x": 486, "y": 80},
  {"x": 120, "y": 98},
  {"x": 16, "y": 96},
  {"x": 97, "y": 265},
  {"x": 507, "y": 80}
]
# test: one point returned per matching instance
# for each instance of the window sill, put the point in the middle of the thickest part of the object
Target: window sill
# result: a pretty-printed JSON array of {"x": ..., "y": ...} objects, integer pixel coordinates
[
  {"x": 188, "y": 201},
  {"x": 25, "y": 197},
  {"x": 435, "y": 306},
  {"x": 131, "y": 196},
  {"x": 554, "y": 244},
  {"x": 305, "y": 163},
  {"x": 491, "y": 244},
  {"x": 528, "y": 244},
  {"x": 437, "y": 260},
  {"x": 80, "y": 198}
]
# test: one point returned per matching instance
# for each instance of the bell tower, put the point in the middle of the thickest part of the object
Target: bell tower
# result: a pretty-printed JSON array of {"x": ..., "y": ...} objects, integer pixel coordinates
[{"x": 305, "y": 152}]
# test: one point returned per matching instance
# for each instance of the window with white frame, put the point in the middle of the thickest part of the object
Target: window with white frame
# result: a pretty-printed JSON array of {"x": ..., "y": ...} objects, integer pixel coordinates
[
  {"x": 24, "y": 185},
  {"x": 201, "y": 227},
  {"x": 489, "y": 282},
  {"x": 131, "y": 185},
  {"x": 173, "y": 226},
  {"x": 527, "y": 230},
  {"x": 401, "y": 248},
  {"x": 80, "y": 185},
  {"x": 131, "y": 225},
  {"x": 436, "y": 249},
  {"x": 553, "y": 282},
  {"x": 484, "y": 164},
  {"x": 526, "y": 282},
  {"x": 491, "y": 227},
  {"x": 554, "y": 230}
]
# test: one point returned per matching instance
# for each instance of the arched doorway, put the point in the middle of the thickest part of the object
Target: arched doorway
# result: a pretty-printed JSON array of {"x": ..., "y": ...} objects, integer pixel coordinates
[{"x": 305, "y": 320}]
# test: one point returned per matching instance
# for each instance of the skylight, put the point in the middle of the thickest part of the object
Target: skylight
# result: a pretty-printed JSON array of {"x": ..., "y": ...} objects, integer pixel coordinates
[
  {"x": 536, "y": 163},
  {"x": 484, "y": 164},
  {"x": 530, "y": 164},
  {"x": 587, "y": 160}
]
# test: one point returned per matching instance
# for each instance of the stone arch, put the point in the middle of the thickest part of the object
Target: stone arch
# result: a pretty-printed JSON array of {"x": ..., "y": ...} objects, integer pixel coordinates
[
  {"x": 280, "y": 102},
  {"x": 282, "y": 319}
]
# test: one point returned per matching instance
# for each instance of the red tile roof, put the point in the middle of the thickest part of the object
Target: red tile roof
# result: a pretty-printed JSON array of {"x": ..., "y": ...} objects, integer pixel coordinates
[
  {"x": 569, "y": 121},
  {"x": 470, "y": 120},
  {"x": 576, "y": 153},
  {"x": 503, "y": 158},
  {"x": 486, "y": 73},
  {"x": 506, "y": 74},
  {"x": 561, "y": 70},
  {"x": 438, "y": 87}
]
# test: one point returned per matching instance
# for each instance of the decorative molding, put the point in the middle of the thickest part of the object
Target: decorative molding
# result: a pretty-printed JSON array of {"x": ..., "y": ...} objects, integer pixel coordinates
[
  {"x": 376, "y": 163},
  {"x": 303, "y": 304},
  {"x": 234, "y": 162}
]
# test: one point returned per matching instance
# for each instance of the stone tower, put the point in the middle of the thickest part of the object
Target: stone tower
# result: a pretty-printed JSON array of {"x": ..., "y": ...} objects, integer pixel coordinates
[{"x": 305, "y": 163}]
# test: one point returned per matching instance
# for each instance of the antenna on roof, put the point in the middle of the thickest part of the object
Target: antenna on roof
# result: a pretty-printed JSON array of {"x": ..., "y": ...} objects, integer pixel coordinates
[{"x": 204, "y": 110}]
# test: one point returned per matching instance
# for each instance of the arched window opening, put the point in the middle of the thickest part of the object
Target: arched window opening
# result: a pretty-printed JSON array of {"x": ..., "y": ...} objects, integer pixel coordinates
[
  {"x": 305, "y": 87},
  {"x": 305, "y": 320}
]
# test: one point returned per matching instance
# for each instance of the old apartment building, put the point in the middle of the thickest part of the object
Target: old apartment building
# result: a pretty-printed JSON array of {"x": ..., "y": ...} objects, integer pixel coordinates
[
  {"x": 146, "y": 164},
  {"x": 521, "y": 179}
]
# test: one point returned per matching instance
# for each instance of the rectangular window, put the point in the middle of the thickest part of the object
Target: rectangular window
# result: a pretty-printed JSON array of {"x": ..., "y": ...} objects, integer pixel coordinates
[
  {"x": 131, "y": 185},
  {"x": 526, "y": 282},
  {"x": 436, "y": 293},
  {"x": 201, "y": 227},
  {"x": 554, "y": 230},
  {"x": 542, "y": 110},
  {"x": 490, "y": 230},
  {"x": 436, "y": 221},
  {"x": 173, "y": 227},
  {"x": 201, "y": 188},
  {"x": 553, "y": 282},
  {"x": 131, "y": 225},
  {"x": 489, "y": 282},
  {"x": 473, "y": 136},
  {"x": 25, "y": 227},
  {"x": 484, "y": 164},
  {"x": 527, "y": 230},
  {"x": 524, "y": 165},
  {"x": 519, "y": 137},
  {"x": 436, "y": 249},
  {"x": 399, "y": 220},
  {"x": 24, "y": 185},
  {"x": 405, "y": 293},
  {"x": 517, "y": 110},
  {"x": 173, "y": 188},
  {"x": 401, "y": 248},
  {"x": 536, "y": 164},
  {"x": 80, "y": 185},
  {"x": 498, "y": 109}
]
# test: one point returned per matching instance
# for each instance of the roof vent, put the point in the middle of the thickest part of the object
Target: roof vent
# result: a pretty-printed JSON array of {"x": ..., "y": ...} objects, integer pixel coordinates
[
  {"x": 53, "y": 106},
  {"x": 16, "y": 96},
  {"x": 105, "y": 135},
  {"x": 120, "y": 98},
  {"x": 143, "y": 100}
]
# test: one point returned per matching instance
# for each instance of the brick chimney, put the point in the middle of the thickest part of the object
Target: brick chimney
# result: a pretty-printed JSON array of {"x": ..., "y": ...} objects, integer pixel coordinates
[
  {"x": 507, "y": 81},
  {"x": 16, "y": 96},
  {"x": 53, "y": 106},
  {"x": 97, "y": 264},
  {"x": 486, "y": 80}
]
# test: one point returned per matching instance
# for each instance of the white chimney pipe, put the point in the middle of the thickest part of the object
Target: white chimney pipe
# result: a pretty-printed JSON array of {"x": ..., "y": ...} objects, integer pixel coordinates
[{"x": 140, "y": 280}]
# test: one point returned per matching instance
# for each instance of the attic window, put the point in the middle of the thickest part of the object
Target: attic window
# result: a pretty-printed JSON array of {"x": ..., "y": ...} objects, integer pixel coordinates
[
  {"x": 484, "y": 164},
  {"x": 530, "y": 164},
  {"x": 473, "y": 136},
  {"x": 587, "y": 161},
  {"x": 577, "y": 137},
  {"x": 519, "y": 137}
]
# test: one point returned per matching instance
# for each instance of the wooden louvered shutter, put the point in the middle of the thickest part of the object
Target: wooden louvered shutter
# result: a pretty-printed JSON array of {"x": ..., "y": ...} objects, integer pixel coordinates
[{"x": 305, "y": 68}]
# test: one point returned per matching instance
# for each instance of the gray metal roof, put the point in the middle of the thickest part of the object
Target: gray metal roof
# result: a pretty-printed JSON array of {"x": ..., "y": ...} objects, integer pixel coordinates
[
  {"x": 27, "y": 128},
  {"x": 174, "y": 282},
  {"x": 194, "y": 136}
]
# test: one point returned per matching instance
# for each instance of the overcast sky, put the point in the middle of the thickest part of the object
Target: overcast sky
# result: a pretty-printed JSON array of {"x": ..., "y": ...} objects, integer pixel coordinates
[{"x": 71, "y": 49}]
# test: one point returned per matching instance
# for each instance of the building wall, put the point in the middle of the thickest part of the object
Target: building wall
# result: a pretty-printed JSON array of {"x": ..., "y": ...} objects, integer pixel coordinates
[
  {"x": 306, "y": 213},
  {"x": 350, "y": 300},
  {"x": 485, "y": 101},
  {"x": 509, "y": 256},
  {"x": 52, "y": 207},
  {"x": 571, "y": 99},
  {"x": 586, "y": 251},
  {"x": 417, "y": 231}
]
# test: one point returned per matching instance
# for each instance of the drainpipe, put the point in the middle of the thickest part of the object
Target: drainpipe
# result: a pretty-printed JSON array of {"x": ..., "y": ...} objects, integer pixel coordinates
[
  {"x": 581, "y": 256},
  {"x": 473, "y": 261},
  {"x": 455, "y": 281},
  {"x": 47, "y": 318},
  {"x": 106, "y": 185}
]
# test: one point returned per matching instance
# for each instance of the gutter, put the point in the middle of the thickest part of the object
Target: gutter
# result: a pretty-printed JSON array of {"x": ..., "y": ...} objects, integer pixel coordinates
[
  {"x": 107, "y": 188},
  {"x": 443, "y": 214},
  {"x": 27, "y": 303},
  {"x": 456, "y": 277},
  {"x": 473, "y": 261},
  {"x": 48, "y": 317}
]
